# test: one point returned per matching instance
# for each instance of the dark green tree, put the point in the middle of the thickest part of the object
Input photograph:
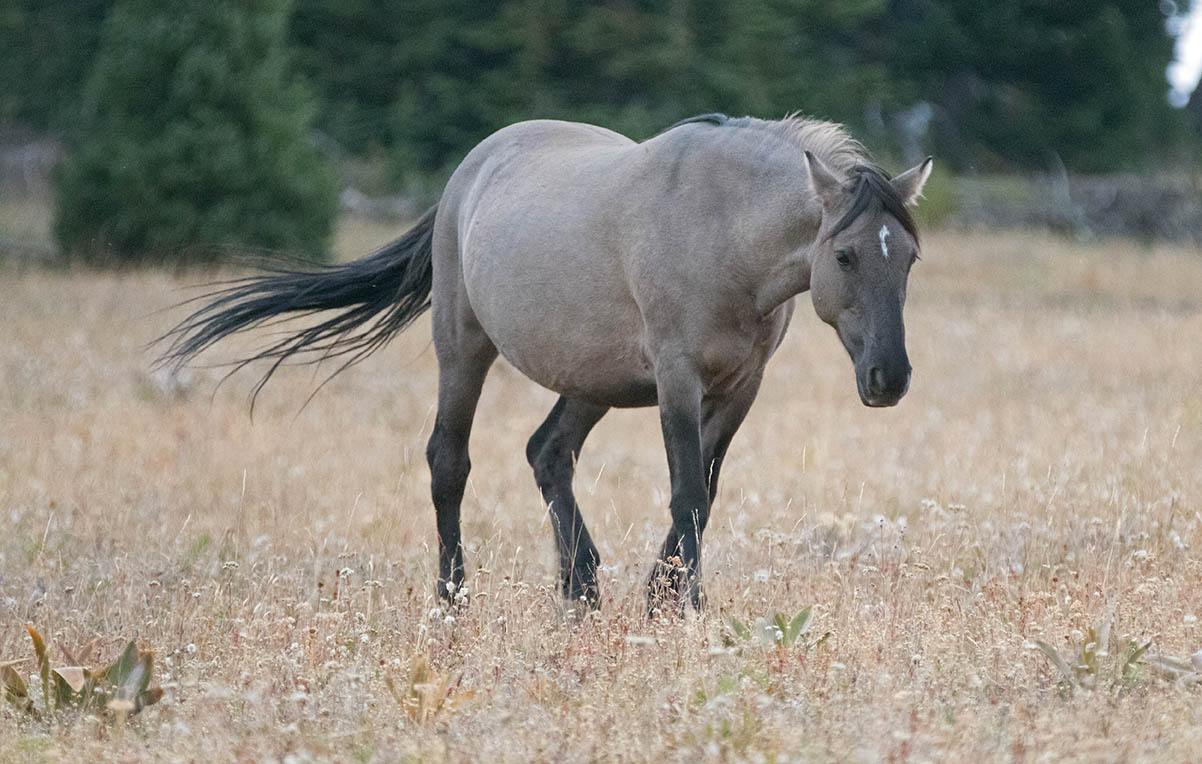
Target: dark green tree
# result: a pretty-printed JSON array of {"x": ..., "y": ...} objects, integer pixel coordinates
[
  {"x": 469, "y": 68},
  {"x": 351, "y": 53},
  {"x": 461, "y": 79},
  {"x": 1032, "y": 82},
  {"x": 1015, "y": 85},
  {"x": 46, "y": 47},
  {"x": 814, "y": 56},
  {"x": 636, "y": 66},
  {"x": 195, "y": 140}
]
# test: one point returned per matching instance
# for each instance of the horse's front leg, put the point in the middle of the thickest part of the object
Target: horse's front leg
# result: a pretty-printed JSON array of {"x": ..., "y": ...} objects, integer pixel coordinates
[
  {"x": 720, "y": 420},
  {"x": 675, "y": 577}
]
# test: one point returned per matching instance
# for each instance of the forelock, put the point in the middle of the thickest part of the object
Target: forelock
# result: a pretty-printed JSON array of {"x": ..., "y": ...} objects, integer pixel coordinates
[{"x": 871, "y": 187}]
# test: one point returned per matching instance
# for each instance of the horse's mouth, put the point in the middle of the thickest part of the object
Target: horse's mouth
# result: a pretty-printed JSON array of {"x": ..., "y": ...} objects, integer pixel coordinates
[
  {"x": 881, "y": 400},
  {"x": 878, "y": 389},
  {"x": 880, "y": 403}
]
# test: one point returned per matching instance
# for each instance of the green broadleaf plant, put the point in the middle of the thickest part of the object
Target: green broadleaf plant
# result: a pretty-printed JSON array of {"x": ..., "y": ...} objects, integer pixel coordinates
[
  {"x": 124, "y": 687},
  {"x": 778, "y": 631}
]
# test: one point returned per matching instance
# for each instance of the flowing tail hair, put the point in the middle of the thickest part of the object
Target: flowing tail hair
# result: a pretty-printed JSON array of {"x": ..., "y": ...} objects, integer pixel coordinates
[{"x": 393, "y": 283}]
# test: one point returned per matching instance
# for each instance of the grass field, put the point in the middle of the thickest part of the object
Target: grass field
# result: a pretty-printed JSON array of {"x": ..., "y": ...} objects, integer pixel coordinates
[{"x": 1042, "y": 477}]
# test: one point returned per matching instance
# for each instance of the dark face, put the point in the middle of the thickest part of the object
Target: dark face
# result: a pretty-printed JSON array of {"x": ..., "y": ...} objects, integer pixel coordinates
[{"x": 858, "y": 285}]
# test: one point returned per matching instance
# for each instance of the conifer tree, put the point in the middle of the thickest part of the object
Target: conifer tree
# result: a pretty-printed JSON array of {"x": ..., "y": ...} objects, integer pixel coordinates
[{"x": 195, "y": 139}]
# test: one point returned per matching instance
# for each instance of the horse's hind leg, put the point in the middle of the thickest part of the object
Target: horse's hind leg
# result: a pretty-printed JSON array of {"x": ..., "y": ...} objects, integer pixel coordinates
[
  {"x": 552, "y": 452},
  {"x": 465, "y": 354}
]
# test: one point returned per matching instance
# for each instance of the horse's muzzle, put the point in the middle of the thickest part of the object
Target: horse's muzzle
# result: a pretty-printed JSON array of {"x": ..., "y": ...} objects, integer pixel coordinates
[{"x": 882, "y": 385}]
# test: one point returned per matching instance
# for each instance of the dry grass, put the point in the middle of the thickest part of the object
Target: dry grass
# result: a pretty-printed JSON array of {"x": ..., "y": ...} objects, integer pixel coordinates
[{"x": 1043, "y": 472}]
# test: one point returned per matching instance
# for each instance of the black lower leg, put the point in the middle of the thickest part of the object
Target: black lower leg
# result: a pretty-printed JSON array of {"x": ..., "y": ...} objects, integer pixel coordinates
[
  {"x": 552, "y": 452},
  {"x": 449, "y": 467},
  {"x": 679, "y": 569},
  {"x": 675, "y": 579},
  {"x": 578, "y": 556},
  {"x": 460, "y": 380}
]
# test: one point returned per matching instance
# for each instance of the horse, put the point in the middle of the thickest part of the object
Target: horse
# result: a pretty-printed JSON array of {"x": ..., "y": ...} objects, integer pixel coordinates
[{"x": 615, "y": 273}]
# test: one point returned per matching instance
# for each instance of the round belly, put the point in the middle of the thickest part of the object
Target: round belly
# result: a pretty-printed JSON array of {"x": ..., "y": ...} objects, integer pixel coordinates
[
  {"x": 576, "y": 352},
  {"x": 609, "y": 375},
  {"x": 578, "y": 337}
]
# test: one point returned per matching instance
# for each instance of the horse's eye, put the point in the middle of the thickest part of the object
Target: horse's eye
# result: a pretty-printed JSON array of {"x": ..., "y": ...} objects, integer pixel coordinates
[{"x": 843, "y": 257}]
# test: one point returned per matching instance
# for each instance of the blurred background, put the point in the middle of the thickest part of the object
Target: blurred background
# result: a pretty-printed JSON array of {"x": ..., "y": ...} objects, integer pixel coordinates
[{"x": 182, "y": 131}]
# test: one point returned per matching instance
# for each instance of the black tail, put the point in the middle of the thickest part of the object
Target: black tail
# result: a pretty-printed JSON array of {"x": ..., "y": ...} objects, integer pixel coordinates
[{"x": 393, "y": 283}]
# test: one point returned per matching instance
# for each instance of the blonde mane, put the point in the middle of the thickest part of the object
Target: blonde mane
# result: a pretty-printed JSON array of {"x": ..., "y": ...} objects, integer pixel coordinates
[
  {"x": 829, "y": 141},
  {"x": 868, "y": 184}
]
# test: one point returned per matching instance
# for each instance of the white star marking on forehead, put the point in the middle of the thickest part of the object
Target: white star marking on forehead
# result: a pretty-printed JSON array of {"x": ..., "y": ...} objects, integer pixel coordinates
[{"x": 884, "y": 234}]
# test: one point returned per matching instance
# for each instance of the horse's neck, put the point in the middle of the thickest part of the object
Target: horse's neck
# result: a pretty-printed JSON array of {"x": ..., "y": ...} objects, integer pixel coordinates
[
  {"x": 769, "y": 202},
  {"x": 777, "y": 211},
  {"x": 785, "y": 266}
]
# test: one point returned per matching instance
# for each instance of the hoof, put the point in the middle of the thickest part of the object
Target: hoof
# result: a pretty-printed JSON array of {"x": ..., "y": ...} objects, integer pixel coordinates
[
  {"x": 578, "y": 585},
  {"x": 452, "y": 593},
  {"x": 671, "y": 588},
  {"x": 582, "y": 598}
]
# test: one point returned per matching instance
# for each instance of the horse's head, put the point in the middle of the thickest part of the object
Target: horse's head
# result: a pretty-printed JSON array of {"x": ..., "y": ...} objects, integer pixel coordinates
[{"x": 859, "y": 268}]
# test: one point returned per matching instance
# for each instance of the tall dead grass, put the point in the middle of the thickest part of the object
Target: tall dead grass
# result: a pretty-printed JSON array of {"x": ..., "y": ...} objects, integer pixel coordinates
[{"x": 1041, "y": 478}]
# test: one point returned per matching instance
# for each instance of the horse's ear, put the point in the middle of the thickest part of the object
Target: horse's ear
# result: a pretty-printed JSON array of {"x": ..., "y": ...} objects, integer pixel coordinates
[
  {"x": 824, "y": 183},
  {"x": 909, "y": 184}
]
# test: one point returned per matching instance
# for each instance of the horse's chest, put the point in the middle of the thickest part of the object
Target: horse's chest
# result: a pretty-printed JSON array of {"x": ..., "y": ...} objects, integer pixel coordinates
[{"x": 731, "y": 358}]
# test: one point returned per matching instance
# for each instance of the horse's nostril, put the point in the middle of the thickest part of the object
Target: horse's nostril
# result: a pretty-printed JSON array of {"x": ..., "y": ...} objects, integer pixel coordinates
[{"x": 876, "y": 380}]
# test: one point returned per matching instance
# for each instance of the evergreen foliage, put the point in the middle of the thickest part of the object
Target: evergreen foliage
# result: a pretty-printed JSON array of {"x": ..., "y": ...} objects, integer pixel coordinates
[
  {"x": 46, "y": 48},
  {"x": 190, "y": 132},
  {"x": 1027, "y": 84},
  {"x": 194, "y": 138}
]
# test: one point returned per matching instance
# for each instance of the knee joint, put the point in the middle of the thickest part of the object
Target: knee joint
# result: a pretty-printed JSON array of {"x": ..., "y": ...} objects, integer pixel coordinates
[
  {"x": 552, "y": 466},
  {"x": 689, "y": 511},
  {"x": 447, "y": 458},
  {"x": 533, "y": 447}
]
